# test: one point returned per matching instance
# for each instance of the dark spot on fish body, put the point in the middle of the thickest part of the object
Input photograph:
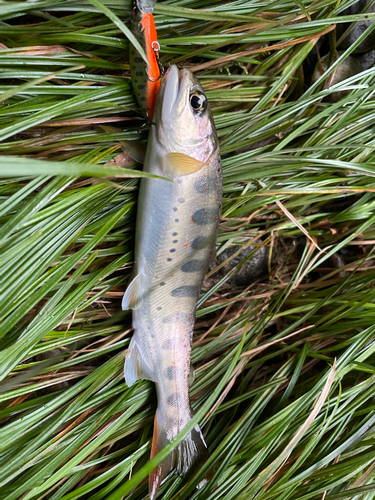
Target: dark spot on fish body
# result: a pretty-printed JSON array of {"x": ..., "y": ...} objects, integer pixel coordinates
[
  {"x": 192, "y": 266},
  {"x": 169, "y": 259},
  {"x": 143, "y": 99},
  {"x": 158, "y": 308},
  {"x": 173, "y": 399},
  {"x": 168, "y": 345},
  {"x": 177, "y": 317},
  {"x": 172, "y": 250},
  {"x": 174, "y": 234},
  {"x": 177, "y": 220},
  {"x": 181, "y": 200},
  {"x": 174, "y": 209},
  {"x": 138, "y": 59},
  {"x": 200, "y": 185},
  {"x": 200, "y": 242},
  {"x": 141, "y": 87},
  {"x": 201, "y": 217},
  {"x": 162, "y": 283},
  {"x": 171, "y": 372},
  {"x": 175, "y": 241},
  {"x": 139, "y": 73},
  {"x": 184, "y": 291}
]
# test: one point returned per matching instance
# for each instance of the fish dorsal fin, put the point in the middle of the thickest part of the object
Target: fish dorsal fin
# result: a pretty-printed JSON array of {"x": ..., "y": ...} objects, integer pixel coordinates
[
  {"x": 177, "y": 164},
  {"x": 132, "y": 298}
]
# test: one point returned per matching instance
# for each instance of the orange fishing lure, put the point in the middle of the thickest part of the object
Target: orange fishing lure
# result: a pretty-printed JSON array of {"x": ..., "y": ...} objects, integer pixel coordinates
[{"x": 145, "y": 78}]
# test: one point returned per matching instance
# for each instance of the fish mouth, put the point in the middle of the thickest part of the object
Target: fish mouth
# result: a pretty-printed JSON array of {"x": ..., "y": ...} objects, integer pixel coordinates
[
  {"x": 175, "y": 83},
  {"x": 170, "y": 92}
]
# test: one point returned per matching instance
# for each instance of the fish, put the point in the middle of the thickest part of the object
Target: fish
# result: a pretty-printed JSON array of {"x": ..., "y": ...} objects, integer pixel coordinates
[
  {"x": 176, "y": 228},
  {"x": 145, "y": 77}
]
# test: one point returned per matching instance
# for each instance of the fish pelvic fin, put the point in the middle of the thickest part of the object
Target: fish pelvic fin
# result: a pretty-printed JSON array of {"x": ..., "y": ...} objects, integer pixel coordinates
[
  {"x": 132, "y": 298},
  {"x": 136, "y": 367},
  {"x": 184, "y": 460}
]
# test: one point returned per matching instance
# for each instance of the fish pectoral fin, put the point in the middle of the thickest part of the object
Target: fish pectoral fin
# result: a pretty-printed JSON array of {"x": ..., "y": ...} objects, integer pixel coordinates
[
  {"x": 136, "y": 367},
  {"x": 177, "y": 164},
  {"x": 132, "y": 298}
]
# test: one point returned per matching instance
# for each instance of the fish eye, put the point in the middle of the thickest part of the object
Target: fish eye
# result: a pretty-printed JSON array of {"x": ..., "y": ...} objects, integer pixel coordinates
[{"x": 198, "y": 102}]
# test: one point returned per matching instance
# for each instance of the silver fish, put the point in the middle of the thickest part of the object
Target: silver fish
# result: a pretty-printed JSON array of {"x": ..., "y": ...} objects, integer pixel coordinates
[{"x": 175, "y": 235}]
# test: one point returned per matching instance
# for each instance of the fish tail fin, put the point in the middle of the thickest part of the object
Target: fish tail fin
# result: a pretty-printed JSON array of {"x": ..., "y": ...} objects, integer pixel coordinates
[{"x": 184, "y": 460}]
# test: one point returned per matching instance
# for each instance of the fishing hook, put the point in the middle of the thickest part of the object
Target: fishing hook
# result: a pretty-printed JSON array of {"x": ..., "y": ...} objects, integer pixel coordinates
[{"x": 156, "y": 48}]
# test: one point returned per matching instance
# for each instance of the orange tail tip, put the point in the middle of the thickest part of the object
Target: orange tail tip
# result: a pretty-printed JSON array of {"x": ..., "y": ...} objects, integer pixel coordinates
[{"x": 184, "y": 460}]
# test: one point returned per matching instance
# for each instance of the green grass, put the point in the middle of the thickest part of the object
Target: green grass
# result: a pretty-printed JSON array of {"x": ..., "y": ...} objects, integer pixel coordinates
[{"x": 285, "y": 368}]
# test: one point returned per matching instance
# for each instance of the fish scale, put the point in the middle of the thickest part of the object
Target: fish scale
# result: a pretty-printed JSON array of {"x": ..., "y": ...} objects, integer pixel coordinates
[{"x": 175, "y": 234}]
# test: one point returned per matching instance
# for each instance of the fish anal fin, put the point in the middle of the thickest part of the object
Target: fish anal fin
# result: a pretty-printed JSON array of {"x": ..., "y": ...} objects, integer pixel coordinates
[
  {"x": 184, "y": 460},
  {"x": 177, "y": 164},
  {"x": 136, "y": 367},
  {"x": 132, "y": 298}
]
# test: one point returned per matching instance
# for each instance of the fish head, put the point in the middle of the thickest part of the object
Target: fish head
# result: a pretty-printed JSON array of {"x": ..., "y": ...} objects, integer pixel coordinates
[{"x": 182, "y": 117}]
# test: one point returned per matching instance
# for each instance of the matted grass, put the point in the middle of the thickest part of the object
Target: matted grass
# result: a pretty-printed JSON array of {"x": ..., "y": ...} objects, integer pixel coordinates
[{"x": 282, "y": 418}]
